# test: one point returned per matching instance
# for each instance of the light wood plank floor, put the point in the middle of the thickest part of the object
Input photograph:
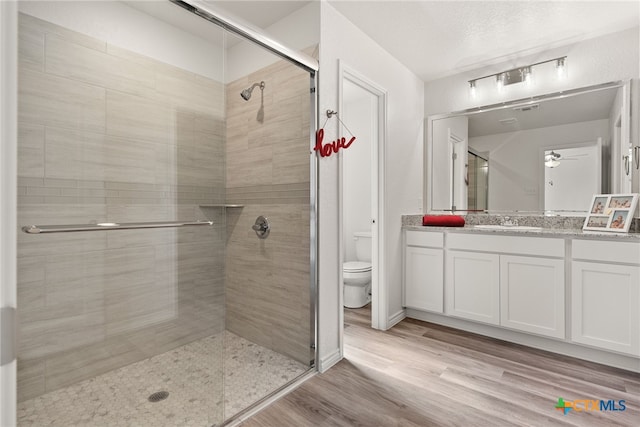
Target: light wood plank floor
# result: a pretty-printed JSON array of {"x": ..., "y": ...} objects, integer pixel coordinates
[{"x": 421, "y": 374}]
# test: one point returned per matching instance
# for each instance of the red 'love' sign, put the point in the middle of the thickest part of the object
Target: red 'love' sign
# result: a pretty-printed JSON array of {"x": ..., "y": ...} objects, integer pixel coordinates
[{"x": 333, "y": 146}]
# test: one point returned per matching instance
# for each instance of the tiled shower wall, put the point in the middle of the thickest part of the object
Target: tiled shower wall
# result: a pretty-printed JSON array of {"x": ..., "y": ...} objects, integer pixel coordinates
[
  {"x": 107, "y": 135},
  {"x": 268, "y": 283}
]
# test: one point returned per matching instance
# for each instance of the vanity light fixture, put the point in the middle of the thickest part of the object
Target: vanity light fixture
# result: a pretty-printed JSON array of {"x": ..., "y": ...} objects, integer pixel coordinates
[{"x": 520, "y": 74}]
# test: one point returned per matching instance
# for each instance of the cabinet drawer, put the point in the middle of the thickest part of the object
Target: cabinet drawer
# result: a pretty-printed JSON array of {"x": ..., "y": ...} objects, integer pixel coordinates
[
  {"x": 627, "y": 252},
  {"x": 425, "y": 238},
  {"x": 524, "y": 245}
]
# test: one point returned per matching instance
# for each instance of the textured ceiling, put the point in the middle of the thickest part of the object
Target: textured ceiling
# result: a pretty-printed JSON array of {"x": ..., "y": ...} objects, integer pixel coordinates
[{"x": 439, "y": 38}]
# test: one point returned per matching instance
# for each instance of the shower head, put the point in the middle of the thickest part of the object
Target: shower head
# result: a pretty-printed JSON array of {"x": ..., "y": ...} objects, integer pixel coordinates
[{"x": 246, "y": 94}]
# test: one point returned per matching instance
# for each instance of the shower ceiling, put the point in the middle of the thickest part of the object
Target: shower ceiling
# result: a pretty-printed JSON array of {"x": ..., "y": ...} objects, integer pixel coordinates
[{"x": 260, "y": 14}]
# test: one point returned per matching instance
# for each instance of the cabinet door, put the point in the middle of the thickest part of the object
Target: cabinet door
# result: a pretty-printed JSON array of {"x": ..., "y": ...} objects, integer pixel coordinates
[
  {"x": 532, "y": 294},
  {"x": 605, "y": 302},
  {"x": 423, "y": 280},
  {"x": 472, "y": 286}
]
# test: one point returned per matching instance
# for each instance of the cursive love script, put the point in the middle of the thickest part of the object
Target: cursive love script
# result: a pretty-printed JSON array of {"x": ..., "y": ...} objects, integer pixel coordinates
[{"x": 331, "y": 147}]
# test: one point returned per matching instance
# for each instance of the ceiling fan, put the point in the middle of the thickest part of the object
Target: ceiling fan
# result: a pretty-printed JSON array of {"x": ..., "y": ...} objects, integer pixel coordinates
[{"x": 552, "y": 159}]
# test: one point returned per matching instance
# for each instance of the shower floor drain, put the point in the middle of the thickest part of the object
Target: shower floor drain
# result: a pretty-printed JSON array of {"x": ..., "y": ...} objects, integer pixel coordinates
[{"x": 158, "y": 396}]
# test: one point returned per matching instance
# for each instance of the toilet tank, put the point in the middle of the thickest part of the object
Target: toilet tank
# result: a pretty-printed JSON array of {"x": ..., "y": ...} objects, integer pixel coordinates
[{"x": 363, "y": 245}]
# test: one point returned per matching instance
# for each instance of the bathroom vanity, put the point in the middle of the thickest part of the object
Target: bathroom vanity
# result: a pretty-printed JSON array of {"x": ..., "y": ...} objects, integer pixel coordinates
[{"x": 557, "y": 289}]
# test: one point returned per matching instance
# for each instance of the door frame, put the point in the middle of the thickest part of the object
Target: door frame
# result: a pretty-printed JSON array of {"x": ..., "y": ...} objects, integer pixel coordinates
[{"x": 379, "y": 291}]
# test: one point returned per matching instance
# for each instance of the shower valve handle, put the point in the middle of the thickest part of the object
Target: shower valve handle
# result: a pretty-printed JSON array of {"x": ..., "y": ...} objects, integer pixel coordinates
[{"x": 261, "y": 227}]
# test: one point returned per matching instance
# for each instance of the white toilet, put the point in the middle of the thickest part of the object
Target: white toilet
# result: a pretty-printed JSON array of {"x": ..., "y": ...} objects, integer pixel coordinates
[{"x": 357, "y": 274}]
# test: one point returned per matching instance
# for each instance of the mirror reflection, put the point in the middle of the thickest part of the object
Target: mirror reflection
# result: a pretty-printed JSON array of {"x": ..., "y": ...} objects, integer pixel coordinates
[{"x": 546, "y": 154}]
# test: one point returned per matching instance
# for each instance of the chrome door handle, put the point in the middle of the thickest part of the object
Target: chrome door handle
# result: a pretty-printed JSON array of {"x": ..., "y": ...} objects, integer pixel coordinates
[{"x": 626, "y": 165}]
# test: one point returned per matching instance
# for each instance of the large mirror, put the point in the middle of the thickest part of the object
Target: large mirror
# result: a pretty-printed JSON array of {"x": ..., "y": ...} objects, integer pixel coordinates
[{"x": 548, "y": 153}]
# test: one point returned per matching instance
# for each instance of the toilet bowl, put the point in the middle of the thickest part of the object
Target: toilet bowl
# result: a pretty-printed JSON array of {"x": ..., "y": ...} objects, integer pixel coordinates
[
  {"x": 357, "y": 283},
  {"x": 357, "y": 274}
]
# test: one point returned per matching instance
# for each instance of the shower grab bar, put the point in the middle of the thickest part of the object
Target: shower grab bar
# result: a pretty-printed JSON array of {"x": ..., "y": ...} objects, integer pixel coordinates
[{"x": 106, "y": 226}]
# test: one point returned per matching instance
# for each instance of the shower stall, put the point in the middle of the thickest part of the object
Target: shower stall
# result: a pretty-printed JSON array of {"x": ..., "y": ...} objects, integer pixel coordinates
[{"x": 152, "y": 137}]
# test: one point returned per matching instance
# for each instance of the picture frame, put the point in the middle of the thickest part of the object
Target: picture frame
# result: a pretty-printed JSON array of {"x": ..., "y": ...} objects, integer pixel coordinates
[{"x": 611, "y": 212}]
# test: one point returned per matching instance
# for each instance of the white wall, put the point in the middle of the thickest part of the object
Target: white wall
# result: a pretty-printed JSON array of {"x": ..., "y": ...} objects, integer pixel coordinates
[
  {"x": 120, "y": 25},
  {"x": 341, "y": 40},
  {"x": 299, "y": 30},
  {"x": 515, "y": 175},
  {"x": 359, "y": 107},
  {"x": 603, "y": 59}
]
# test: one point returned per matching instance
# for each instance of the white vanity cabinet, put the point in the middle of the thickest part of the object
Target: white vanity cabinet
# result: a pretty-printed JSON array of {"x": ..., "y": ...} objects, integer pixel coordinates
[
  {"x": 564, "y": 292},
  {"x": 511, "y": 281},
  {"x": 605, "y": 295},
  {"x": 423, "y": 271}
]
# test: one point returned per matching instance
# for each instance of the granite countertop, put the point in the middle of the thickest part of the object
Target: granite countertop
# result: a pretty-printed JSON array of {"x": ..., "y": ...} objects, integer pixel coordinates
[{"x": 548, "y": 227}]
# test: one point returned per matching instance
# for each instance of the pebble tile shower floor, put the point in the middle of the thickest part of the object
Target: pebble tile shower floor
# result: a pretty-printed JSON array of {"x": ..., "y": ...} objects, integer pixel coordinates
[{"x": 192, "y": 374}]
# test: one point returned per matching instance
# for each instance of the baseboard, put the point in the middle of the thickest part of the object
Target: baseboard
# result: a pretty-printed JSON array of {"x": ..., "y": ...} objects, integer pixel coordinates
[
  {"x": 395, "y": 319},
  {"x": 566, "y": 348},
  {"x": 329, "y": 360}
]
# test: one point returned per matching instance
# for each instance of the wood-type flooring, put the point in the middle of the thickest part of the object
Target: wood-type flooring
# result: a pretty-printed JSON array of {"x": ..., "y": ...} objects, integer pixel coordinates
[{"x": 422, "y": 374}]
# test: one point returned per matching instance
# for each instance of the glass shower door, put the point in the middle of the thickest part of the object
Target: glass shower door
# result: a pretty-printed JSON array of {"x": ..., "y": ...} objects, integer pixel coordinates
[
  {"x": 269, "y": 320},
  {"x": 121, "y": 135}
]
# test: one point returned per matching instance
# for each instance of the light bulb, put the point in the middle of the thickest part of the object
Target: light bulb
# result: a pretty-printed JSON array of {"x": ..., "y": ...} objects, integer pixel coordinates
[
  {"x": 552, "y": 163},
  {"x": 526, "y": 74},
  {"x": 472, "y": 88},
  {"x": 561, "y": 67},
  {"x": 500, "y": 81}
]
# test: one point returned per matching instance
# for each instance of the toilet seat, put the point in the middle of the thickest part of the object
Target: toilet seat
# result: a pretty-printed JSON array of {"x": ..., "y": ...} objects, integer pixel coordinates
[{"x": 356, "y": 267}]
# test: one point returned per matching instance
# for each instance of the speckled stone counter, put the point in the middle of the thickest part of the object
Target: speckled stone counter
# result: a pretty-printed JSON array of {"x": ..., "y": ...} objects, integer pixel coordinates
[{"x": 561, "y": 226}]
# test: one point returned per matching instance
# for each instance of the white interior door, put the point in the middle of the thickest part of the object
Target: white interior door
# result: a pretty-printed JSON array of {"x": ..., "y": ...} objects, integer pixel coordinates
[
  {"x": 577, "y": 176},
  {"x": 366, "y": 96}
]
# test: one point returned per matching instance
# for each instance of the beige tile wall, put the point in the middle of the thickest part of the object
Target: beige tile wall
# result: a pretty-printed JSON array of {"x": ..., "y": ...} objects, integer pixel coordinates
[
  {"x": 109, "y": 135},
  {"x": 268, "y": 158}
]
